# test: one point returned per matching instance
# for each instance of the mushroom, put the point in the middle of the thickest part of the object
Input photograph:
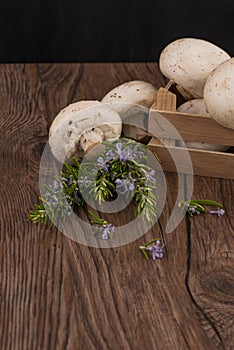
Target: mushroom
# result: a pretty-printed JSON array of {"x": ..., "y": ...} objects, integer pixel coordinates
[
  {"x": 80, "y": 126},
  {"x": 219, "y": 94},
  {"x": 197, "y": 106},
  {"x": 188, "y": 62},
  {"x": 132, "y": 101}
]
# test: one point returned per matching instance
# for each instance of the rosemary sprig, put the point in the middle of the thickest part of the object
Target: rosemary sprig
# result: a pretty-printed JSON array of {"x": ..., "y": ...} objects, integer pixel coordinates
[
  {"x": 39, "y": 214},
  {"x": 101, "y": 226},
  {"x": 120, "y": 169},
  {"x": 154, "y": 247},
  {"x": 196, "y": 206}
]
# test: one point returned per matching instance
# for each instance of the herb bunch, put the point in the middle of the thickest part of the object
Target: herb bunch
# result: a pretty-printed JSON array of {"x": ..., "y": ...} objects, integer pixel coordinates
[{"x": 120, "y": 170}]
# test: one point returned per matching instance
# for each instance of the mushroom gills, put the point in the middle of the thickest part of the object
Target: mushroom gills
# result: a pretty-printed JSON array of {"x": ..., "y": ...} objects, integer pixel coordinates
[
  {"x": 91, "y": 138},
  {"x": 77, "y": 128}
]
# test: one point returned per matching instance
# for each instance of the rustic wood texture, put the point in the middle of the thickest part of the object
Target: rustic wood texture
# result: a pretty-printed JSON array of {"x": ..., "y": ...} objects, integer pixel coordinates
[
  {"x": 189, "y": 127},
  {"x": 57, "y": 294},
  {"x": 165, "y": 100},
  {"x": 204, "y": 163},
  {"x": 192, "y": 127}
]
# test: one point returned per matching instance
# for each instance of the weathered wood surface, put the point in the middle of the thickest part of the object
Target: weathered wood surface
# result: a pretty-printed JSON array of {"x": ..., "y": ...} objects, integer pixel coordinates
[
  {"x": 57, "y": 294},
  {"x": 204, "y": 163}
]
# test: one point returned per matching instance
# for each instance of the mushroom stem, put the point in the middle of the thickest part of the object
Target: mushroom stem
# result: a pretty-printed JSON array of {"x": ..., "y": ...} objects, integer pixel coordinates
[
  {"x": 185, "y": 93},
  {"x": 90, "y": 138},
  {"x": 169, "y": 84}
]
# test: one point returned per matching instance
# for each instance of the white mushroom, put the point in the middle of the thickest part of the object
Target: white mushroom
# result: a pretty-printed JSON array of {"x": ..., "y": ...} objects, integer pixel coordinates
[
  {"x": 219, "y": 94},
  {"x": 81, "y": 125},
  {"x": 197, "y": 106},
  {"x": 135, "y": 91},
  {"x": 188, "y": 62},
  {"x": 132, "y": 101}
]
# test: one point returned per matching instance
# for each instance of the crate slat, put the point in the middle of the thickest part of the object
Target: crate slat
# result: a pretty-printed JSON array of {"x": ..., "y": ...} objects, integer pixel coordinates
[
  {"x": 191, "y": 127},
  {"x": 205, "y": 163}
]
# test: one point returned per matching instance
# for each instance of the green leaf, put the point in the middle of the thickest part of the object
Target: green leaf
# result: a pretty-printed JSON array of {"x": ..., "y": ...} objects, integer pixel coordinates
[{"x": 206, "y": 202}]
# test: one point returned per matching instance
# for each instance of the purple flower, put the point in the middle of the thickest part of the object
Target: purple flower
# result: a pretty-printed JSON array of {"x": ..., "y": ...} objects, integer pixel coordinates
[
  {"x": 110, "y": 155},
  {"x": 76, "y": 196},
  {"x": 123, "y": 154},
  {"x": 63, "y": 179},
  {"x": 156, "y": 250},
  {"x": 56, "y": 185},
  {"x": 218, "y": 212},
  {"x": 53, "y": 192},
  {"x": 193, "y": 210},
  {"x": 102, "y": 163},
  {"x": 55, "y": 198},
  {"x": 84, "y": 180},
  {"x": 150, "y": 175},
  {"x": 107, "y": 231},
  {"x": 125, "y": 185},
  {"x": 68, "y": 210},
  {"x": 69, "y": 181}
]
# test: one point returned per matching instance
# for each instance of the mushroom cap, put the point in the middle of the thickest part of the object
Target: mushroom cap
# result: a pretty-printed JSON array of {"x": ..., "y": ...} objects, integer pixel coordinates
[
  {"x": 219, "y": 94},
  {"x": 79, "y": 118},
  {"x": 124, "y": 97},
  {"x": 132, "y": 101},
  {"x": 189, "y": 61},
  {"x": 197, "y": 106}
]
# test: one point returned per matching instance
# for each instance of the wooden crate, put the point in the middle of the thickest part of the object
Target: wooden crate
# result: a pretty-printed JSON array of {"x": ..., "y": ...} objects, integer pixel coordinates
[{"x": 191, "y": 128}]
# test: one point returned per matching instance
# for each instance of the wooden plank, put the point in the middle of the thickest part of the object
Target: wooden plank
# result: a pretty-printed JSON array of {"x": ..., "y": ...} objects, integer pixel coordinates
[
  {"x": 211, "y": 259},
  {"x": 57, "y": 294},
  {"x": 139, "y": 132},
  {"x": 190, "y": 127},
  {"x": 165, "y": 100},
  {"x": 214, "y": 164}
]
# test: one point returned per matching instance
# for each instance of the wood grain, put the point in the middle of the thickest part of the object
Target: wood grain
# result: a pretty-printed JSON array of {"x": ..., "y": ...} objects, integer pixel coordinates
[
  {"x": 192, "y": 127},
  {"x": 212, "y": 164},
  {"x": 58, "y": 294},
  {"x": 165, "y": 100}
]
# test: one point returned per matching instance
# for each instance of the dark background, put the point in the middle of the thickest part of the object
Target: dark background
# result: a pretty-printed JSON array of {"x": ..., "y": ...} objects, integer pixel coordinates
[{"x": 108, "y": 30}]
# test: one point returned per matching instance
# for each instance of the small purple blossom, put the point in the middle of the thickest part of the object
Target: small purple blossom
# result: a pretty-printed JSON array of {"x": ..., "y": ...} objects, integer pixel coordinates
[
  {"x": 55, "y": 198},
  {"x": 102, "y": 163},
  {"x": 53, "y": 191},
  {"x": 124, "y": 154},
  {"x": 64, "y": 179},
  {"x": 56, "y": 185},
  {"x": 139, "y": 151},
  {"x": 76, "y": 195},
  {"x": 84, "y": 180},
  {"x": 69, "y": 181},
  {"x": 193, "y": 210},
  {"x": 124, "y": 185},
  {"x": 150, "y": 176},
  {"x": 156, "y": 250},
  {"x": 218, "y": 212},
  {"x": 107, "y": 231},
  {"x": 110, "y": 155}
]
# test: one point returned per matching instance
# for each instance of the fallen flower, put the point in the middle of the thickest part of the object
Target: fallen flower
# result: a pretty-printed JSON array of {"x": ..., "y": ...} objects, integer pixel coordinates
[
  {"x": 107, "y": 231},
  {"x": 156, "y": 250},
  {"x": 193, "y": 210},
  {"x": 154, "y": 247},
  {"x": 196, "y": 206},
  {"x": 218, "y": 212}
]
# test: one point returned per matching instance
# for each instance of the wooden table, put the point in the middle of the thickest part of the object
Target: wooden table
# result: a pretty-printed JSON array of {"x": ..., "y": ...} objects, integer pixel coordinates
[{"x": 58, "y": 294}]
